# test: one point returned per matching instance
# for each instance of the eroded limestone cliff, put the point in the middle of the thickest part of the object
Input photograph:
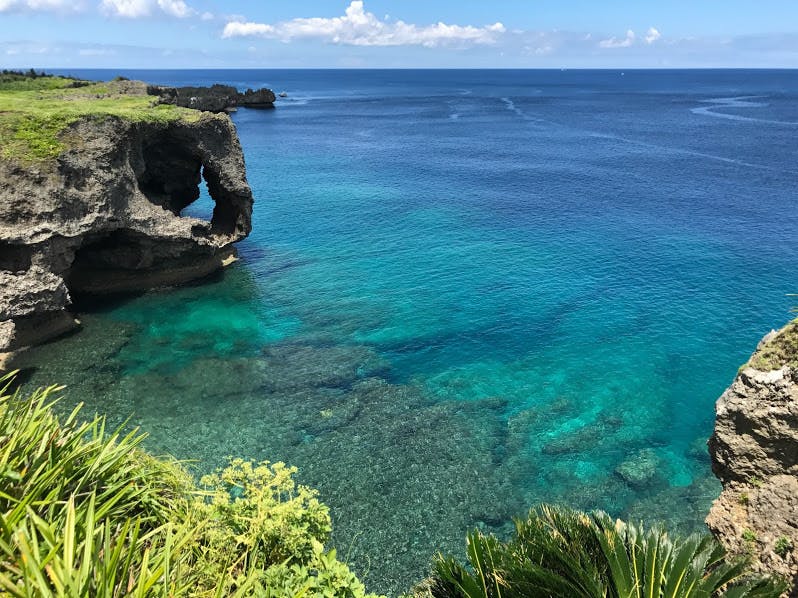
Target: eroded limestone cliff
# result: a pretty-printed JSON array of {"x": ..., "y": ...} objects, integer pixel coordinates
[
  {"x": 104, "y": 216},
  {"x": 755, "y": 455}
]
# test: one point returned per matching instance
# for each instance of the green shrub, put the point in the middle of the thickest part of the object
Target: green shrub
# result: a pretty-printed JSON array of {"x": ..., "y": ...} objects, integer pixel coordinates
[
  {"x": 275, "y": 528},
  {"x": 779, "y": 351},
  {"x": 563, "y": 553},
  {"x": 83, "y": 512},
  {"x": 782, "y": 546},
  {"x": 261, "y": 509}
]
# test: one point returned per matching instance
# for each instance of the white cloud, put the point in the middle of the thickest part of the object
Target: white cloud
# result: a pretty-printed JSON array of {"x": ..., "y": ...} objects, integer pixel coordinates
[
  {"x": 652, "y": 35},
  {"x": 614, "y": 42},
  {"x": 207, "y": 16},
  {"x": 129, "y": 9},
  {"x": 360, "y": 28},
  {"x": 135, "y": 9},
  {"x": 175, "y": 8},
  {"x": 239, "y": 29}
]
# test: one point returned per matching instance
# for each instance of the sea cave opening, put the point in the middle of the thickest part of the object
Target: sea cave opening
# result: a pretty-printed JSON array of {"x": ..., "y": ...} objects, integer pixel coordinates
[{"x": 172, "y": 176}]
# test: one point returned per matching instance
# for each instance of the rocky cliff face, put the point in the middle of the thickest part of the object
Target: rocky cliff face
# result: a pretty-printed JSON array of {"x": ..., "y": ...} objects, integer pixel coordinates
[
  {"x": 104, "y": 217},
  {"x": 755, "y": 455}
]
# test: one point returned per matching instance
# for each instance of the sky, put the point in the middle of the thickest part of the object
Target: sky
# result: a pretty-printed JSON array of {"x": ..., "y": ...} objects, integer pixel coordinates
[{"x": 398, "y": 34}]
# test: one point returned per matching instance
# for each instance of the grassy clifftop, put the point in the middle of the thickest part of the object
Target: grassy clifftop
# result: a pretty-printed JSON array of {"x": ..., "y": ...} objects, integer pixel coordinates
[
  {"x": 779, "y": 350},
  {"x": 36, "y": 112}
]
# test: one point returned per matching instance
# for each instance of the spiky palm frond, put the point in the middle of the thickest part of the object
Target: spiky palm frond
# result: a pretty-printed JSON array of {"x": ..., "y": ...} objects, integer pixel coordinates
[{"x": 558, "y": 552}]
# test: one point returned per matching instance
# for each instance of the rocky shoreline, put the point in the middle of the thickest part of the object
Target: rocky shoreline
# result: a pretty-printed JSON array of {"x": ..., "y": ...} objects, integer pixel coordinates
[{"x": 104, "y": 216}]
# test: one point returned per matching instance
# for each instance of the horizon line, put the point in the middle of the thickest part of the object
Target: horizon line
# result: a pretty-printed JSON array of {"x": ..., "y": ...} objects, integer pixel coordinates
[{"x": 357, "y": 68}]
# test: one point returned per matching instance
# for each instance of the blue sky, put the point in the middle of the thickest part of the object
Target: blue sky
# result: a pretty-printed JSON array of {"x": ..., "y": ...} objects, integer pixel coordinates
[{"x": 391, "y": 33}]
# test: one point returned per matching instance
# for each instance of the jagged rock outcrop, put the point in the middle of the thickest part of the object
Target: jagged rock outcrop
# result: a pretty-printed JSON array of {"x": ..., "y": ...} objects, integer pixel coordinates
[
  {"x": 104, "y": 217},
  {"x": 755, "y": 455},
  {"x": 216, "y": 98}
]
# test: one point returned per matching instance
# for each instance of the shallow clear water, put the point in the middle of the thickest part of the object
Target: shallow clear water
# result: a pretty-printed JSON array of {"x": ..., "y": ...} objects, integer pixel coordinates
[{"x": 467, "y": 292}]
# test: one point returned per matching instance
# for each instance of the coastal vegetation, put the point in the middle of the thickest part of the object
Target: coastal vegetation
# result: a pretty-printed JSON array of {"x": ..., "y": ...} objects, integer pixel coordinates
[
  {"x": 561, "y": 552},
  {"x": 84, "y": 511},
  {"x": 38, "y": 110}
]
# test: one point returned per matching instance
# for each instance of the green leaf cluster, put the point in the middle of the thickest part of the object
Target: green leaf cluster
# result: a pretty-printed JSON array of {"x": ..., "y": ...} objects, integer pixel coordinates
[
  {"x": 558, "y": 552},
  {"x": 783, "y": 546},
  {"x": 84, "y": 512},
  {"x": 275, "y": 530}
]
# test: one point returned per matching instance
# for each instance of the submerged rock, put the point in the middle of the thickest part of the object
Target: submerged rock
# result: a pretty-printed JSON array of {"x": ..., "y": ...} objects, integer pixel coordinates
[
  {"x": 641, "y": 469},
  {"x": 105, "y": 216},
  {"x": 288, "y": 366},
  {"x": 754, "y": 453}
]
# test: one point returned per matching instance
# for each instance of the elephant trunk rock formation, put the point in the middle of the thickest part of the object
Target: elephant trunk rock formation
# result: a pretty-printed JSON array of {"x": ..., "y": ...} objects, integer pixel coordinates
[
  {"x": 755, "y": 455},
  {"x": 105, "y": 217}
]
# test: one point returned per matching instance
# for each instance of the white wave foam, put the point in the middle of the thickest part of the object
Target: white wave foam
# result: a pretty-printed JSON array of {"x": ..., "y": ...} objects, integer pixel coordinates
[
  {"x": 689, "y": 152},
  {"x": 737, "y": 102}
]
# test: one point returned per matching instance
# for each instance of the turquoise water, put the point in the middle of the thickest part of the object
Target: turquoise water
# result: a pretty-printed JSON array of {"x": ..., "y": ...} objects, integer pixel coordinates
[{"x": 467, "y": 292}]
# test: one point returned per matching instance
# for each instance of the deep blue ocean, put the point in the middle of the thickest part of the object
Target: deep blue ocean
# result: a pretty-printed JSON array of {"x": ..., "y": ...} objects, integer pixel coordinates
[{"x": 468, "y": 292}]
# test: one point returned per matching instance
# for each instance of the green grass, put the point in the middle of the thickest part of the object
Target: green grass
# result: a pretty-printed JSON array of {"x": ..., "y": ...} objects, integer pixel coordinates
[
  {"x": 36, "y": 112},
  {"x": 779, "y": 351},
  {"x": 22, "y": 82}
]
